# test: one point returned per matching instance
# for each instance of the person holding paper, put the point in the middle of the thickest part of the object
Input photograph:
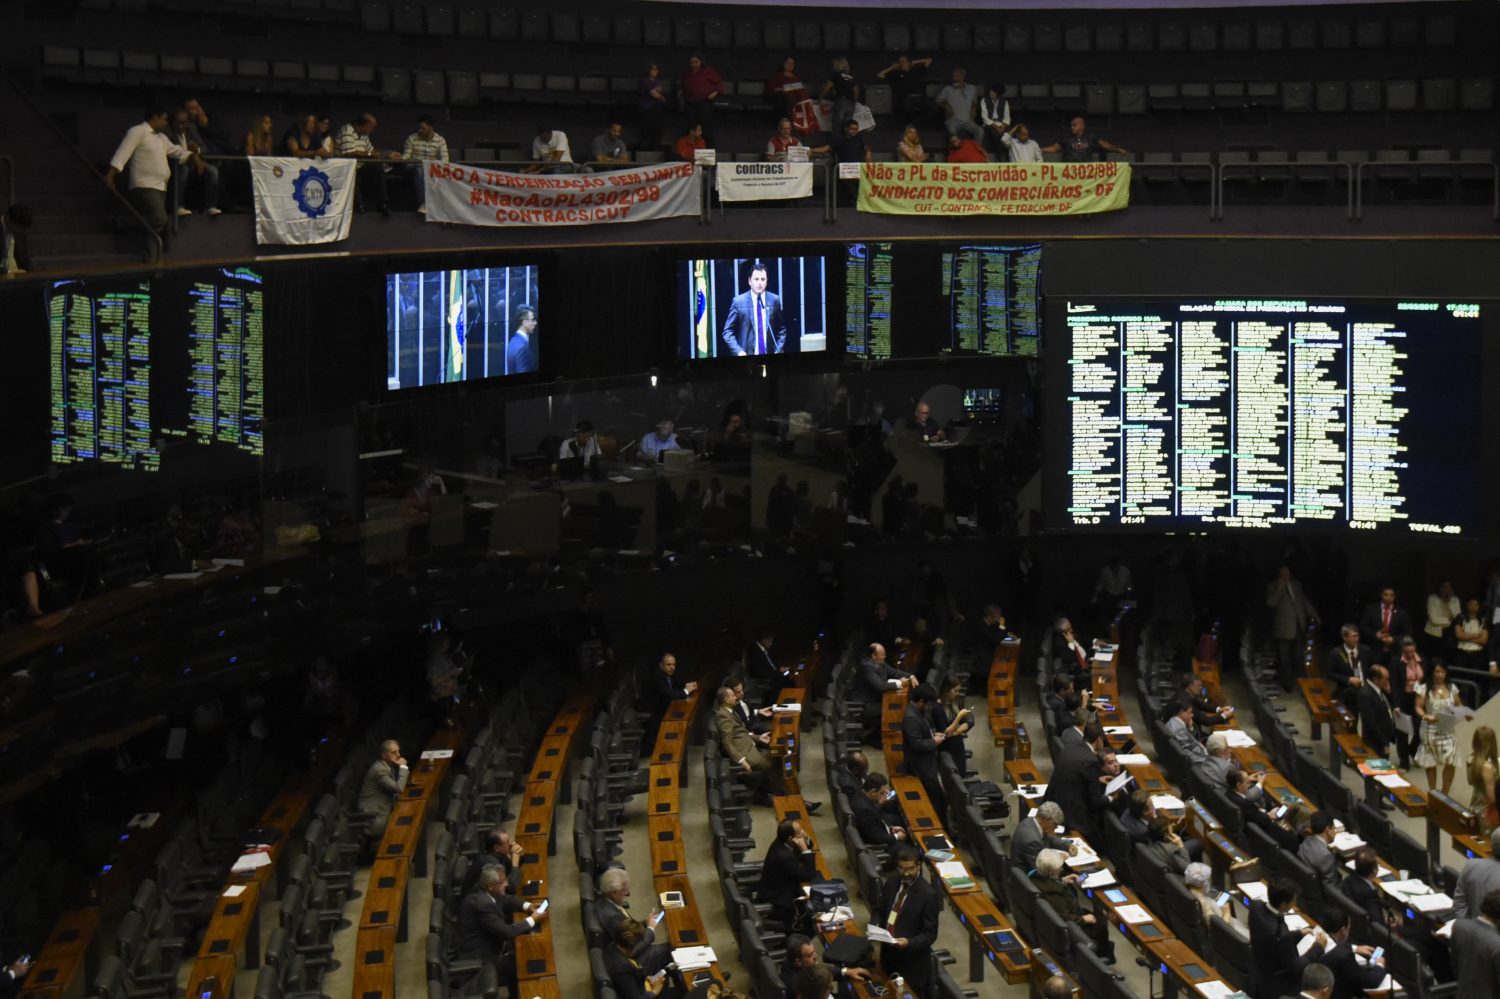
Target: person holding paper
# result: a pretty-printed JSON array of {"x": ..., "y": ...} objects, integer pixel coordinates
[
  {"x": 1276, "y": 962},
  {"x": 1350, "y": 977},
  {"x": 953, "y": 720},
  {"x": 1060, "y": 891},
  {"x": 908, "y": 910},
  {"x": 484, "y": 927},
  {"x": 1435, "y": 701},
  {"x": 1476, "y": 949}
]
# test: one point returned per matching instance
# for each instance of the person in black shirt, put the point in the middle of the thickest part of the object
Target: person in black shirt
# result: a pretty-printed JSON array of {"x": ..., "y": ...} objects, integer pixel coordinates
[
  {"x": 1082, "y": 146},
  {"x": 908, "y": 89}
]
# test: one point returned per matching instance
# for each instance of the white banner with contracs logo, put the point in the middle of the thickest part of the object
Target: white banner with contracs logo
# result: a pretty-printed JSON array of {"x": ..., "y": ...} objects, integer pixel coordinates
[
  {"x": 300, "y": 202},
  {"x": 760, "y": 181},
  {"x": 469, "y": 195}
]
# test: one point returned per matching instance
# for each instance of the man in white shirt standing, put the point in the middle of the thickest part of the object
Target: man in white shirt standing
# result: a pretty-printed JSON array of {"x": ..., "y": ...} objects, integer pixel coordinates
[{"x": 145, "y": 150}]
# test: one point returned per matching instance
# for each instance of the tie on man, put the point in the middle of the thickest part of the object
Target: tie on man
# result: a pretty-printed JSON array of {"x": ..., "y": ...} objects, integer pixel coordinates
[{"x": 760, "y": 324}]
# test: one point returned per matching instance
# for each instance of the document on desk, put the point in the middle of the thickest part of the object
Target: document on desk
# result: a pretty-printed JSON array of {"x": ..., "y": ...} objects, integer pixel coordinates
[
  {"x": 234, "y": 891},
  {"x": 1435, "y": 902},
  {"x": 1099, "y": 879},
  {"x": 1118, "y": 730},
  {"x": 1216, "y": 990},
  {"x": 1346, "y": 842},
  {"x": 1445, "y": 932},
  {"x": 1133, "y": 759},
  {"x": 1253, "y": 890},
  {"x": 437, "y": 754},
  {"x": 1133, "y": 914},
  {"x": 878, "y": 934},
  {"x": 787, "y": 709},
  {"x": 248, "y": 862},
  {"x": 1392, "y": 781},
  {"x": 1294, "y": 922},
  {"x": 1238, "y": 738},
  {"x": 693, "y": 958},
  {"x": 1166, "y": 802}
]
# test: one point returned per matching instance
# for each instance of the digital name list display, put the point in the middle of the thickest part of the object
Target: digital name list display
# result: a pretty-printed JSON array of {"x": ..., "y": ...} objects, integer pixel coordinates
[
  {"x": 136, "y": 363},
  {"x": 1201, "y": 413}
]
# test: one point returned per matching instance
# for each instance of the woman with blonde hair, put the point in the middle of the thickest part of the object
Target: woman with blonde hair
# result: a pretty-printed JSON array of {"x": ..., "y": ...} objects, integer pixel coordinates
[
  {"x": 909, "y": 149},
  {"x": 844, "y": 90},
  {"x": 258, "y": 141},
  {"x": 1483, "y": 765}
]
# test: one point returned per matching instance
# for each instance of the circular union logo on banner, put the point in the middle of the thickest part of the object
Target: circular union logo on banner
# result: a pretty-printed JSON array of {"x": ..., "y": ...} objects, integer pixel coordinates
[{"x": 313, "y": 192}]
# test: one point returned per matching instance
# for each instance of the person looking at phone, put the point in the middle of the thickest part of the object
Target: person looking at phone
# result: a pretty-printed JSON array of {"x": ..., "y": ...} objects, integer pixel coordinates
[
  {"x": 629, "y": 978},
  {"x": 802, "y": 955},
  {"x": 613, "y": 907},
  {"x": 13, "y": 976},
  {"x": 954, "y": 720},
  {"x": 1197, "y": 877},
  {"x": 1350, "y": 977},
  {"x": 485, "y": 929}
]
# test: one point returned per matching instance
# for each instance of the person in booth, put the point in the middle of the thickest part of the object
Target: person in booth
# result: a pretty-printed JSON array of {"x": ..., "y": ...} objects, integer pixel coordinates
[
  {"x": 583, "y": 444},
  {"x": 756, "y": 324}
]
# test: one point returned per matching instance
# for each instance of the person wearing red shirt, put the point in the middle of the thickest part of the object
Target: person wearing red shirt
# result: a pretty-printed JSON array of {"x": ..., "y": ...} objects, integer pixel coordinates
[
  {"x": 785, "y": 88},
  {"x": 685, "y": 146},
  {"x": 699, "y": 87},
  {"x": 965, "y": 150}
]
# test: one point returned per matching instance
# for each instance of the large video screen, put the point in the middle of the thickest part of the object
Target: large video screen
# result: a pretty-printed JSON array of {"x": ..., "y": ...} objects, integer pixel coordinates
[
  {"x": 1198, "y": 412},
  {"x": 992, "y": 300},
  {"x": 460, "y": 325},
  {"x": 745, "y": 306},
  {"x": 869, "y": 299},
  {"x": 136, "y": 363}
]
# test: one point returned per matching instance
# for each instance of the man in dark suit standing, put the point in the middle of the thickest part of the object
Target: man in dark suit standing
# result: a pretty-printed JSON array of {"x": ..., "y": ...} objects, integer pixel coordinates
[
  {"x": 1346, "y": 664},
  {"x": 1075, "y": 783},
  {"x": 789, "y": 864},
  {"x": 921, "y": 745},
  {"x": 908, "y": 910},
  {"x": 1383, "y": 625},
  {"x": 760, "y": 667},
  {"x": 1275, "y": 965},
  {"x": 1476, "y": 950},
  {"x": 755, "y": 324},
  {"x": 1350, "y": 978},
  {"x": 520, "y": 347},
  {"x": 1377, "y": 723},
  {"x": 484, "y": 927}
]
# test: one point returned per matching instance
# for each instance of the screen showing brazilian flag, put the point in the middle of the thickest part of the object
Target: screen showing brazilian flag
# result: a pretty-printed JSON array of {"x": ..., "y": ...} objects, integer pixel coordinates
[
  {"x": 748, "y": 306},
  {"x": 447, "y": 326}
]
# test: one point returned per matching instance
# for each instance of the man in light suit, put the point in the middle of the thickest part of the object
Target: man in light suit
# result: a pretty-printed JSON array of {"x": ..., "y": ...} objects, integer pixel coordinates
[
  {"x": 520, "y": 350},
  {"x": 744, "y": 750},
  {"x": 1290, "y": 612},
  {"x": 1036, "y": 832},
  {"x": 1476, "y": 950},
  {"x": 755, "y": 324},
  {"x": 385, "y": 779},
  {"x": 1479, "y": 877}
]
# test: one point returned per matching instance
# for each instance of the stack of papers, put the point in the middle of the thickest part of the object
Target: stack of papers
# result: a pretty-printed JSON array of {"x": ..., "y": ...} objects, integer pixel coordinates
[
  {"x": 1392, "y": 780},
  {"x": 1435, "y": 902},
  {"x": 437, "y": 754},
  {"x": 954, "y": 873},
  {"x": 693, "y": 958},
  {"x": 1253, "y": 890},
  {"x": 1118, "y": 730},
  {"x": 1346, "y": 842},
  {"x": 793, "y": 708},
  {"x": 1133, "y": 759},
  {"x": 939, "y": 856},
  {"x": 1295, "y": 922},
  {"x": 1445, "y": 931},
  {"x": 1238, "y": 738},
  {"x": 878, "y": 934},
  {"x": 1099, "y": 879},
  {"x": 1216, "y": 990},
  {"x": 1166, "y": 802},
  {"x": 249, "y": 862},
  {"x": 1133, "y": 914}
]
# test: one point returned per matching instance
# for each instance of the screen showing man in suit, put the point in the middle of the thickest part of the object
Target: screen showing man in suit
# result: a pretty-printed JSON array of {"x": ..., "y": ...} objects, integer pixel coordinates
[
  {"x": 744, "y": 306},
  {"x": 460, "y": 325}
]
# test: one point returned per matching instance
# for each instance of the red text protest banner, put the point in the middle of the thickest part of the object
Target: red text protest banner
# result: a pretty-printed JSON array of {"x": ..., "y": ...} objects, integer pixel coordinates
[
  {"x": 993, "y": 188},
  {"x": 470, "y": 195}
]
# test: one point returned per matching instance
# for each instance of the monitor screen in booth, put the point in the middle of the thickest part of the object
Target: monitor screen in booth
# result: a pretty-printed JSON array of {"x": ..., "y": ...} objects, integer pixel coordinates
[
  {"x": 742, "y": 306},
  {"x": 137, "y": 363},
  {"x": 1196, "y": 412},
  {"x": 459, "y": 325}
]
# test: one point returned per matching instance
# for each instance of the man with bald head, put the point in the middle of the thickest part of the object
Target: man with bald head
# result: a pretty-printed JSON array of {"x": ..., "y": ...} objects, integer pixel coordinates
[
  {"x": 927, "y": 429},
  {"x": 876, "y": 676}
]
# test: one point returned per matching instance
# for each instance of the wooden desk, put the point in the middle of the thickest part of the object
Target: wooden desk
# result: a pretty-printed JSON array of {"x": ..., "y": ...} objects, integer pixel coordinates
[
  {"x": 212, "y": 977},
  {"x": 671, "y": 742},
  {"x": 1140, "y": 935},
  {"x": 232, "y": 931},
  {"x": 535, "y": 954},
  {"x": 542, "y": 988},
  {"x": 1410, "y": 799},
  {"x": 67, "y": 951},
  {"x": 387, "y": 897},
  {"x": 1320, "y": 704},
  {"x": 1019, "y": 772},
  {"x": 375, "y": 964},
  {"x": 981, "y": 916},
  {"x": 1182, "y": 964},
  {"x": 664, "y": 793},
  {"x": 538, "y": 805},
  {"x": 668, "y": 856},
  {"x": 786, "y": 748}
]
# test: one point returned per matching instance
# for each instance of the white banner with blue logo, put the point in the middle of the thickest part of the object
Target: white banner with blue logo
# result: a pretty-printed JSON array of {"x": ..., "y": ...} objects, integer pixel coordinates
[{"x": 299, "y": 202}]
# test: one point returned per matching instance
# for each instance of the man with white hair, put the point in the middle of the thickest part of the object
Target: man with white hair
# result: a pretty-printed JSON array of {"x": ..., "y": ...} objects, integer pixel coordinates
[
  {"x": 385, "y": 779},
  {"x": 1060, "y": 891},
  {"x": 613, "y": 905},
  {"x": 484, "y": 927},
  {"x": 1197, "y": 877},
  {"x": 1215, "y": 767},
  {"x": 1037, "y": 831}
]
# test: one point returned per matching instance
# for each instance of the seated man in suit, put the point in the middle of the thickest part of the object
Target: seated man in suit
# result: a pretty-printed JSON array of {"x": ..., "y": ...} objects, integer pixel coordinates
[
  {"x": 1350, "y": 977},
  {"x": 484, "y": 927},
  {"x": 908, "y": 909},
  {"x": 1215, "y": 766},
  {"x": 871, "y": 821},
  {"x": 500, "y": 850},
  {"x": 1059, "y": 889},
  {"x": 849, "y": 774},
  {"x": 1070, "y": 654},
  {"x": 1246, "y": 795},
  {"x": 760, "y": 667},
  {"x": 1346, "y": 665},
  {"x": 1377, "y": 715},
  {"x": 1036, "y": 832},
  {"x": 757, "y": 720},
  {"x": 1180, "y": 727},
  {"x": 746, "y": 750},
  {"x": 613, "y": 906},
  {"x": 1138, "y": 815},
  {"x": 1317, "y": 983},
  {"x": 1275, "y": 965},
  {"x": 385, "y": 779},
  {"x": 1064, "y": 700},
  {"x": 755, "y": 323},
  {"x": 801, "y": 955},
  {"x": 1315, "y": 852},
  {"x": 1206, "y": 714},
  {"x": 875, "y": 678},
  {"x": 661, "y": 689},
  {"x": 1359, "y": 888},
  {"x": 1479, "y": 877},
  {"x": 790, "y": 863}
]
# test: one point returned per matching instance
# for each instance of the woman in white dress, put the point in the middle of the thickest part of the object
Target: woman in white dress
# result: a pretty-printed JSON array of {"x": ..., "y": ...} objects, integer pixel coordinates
[{"x": 1437, "y": 749}]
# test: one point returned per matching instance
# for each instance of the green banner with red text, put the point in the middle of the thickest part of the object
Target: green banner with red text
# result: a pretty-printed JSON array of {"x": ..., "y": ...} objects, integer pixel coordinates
[{"x": 993, "y": 188}]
